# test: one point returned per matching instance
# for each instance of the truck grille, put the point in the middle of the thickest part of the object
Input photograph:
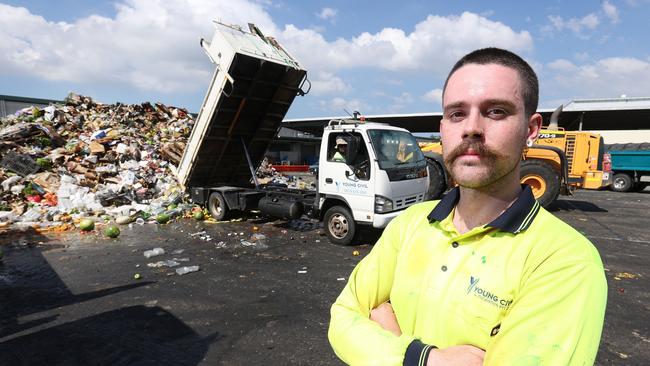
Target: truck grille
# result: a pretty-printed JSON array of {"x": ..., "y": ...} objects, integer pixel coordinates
[
  {"x": 403, "y": 202},
  {"x": 570, "y": 151}
]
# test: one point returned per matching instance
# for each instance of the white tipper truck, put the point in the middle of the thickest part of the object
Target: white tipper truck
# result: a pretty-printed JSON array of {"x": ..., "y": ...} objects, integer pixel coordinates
[{"x": 382, "y": 173}]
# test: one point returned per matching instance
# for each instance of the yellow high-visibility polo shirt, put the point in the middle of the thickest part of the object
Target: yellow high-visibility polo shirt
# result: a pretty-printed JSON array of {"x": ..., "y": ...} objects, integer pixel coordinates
[{"x": 526, "y": 288}]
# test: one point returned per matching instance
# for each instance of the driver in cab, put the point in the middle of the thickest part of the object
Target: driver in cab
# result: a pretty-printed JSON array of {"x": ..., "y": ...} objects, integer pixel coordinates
[
  {"x": 341, "y": 149},
  {"x": 404, "y": 152}
]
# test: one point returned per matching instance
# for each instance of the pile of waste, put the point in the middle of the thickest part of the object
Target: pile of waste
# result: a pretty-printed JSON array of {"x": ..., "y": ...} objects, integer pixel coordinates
[
  {"x": 83, "y": 158},
  {"x": 266, "y": 174},
  {"x": 67, "y": 162}
]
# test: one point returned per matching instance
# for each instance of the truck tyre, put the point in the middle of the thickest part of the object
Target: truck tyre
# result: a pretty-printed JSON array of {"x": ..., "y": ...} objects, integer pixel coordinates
[
  {"x": 437, "y": 183},
  {"x": 543, "y": 180},
  {"x": 339, "y": 225},
  {"x": 217, "y": 206},
  {"x": 622, "y": 182}
]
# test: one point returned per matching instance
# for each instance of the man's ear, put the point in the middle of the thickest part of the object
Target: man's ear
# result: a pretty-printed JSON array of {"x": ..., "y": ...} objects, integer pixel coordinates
[{"x": 534, "y": 125}]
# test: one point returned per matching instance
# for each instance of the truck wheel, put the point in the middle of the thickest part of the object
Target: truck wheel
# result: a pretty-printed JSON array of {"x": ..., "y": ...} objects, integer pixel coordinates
[
  {"x": 217, "y": 206},
  {"x": 542, "y": 179},
  {"x": 622, "y": 182},
  {"x": 437, "y": 184},
  {"x": 339, "y": 225}
]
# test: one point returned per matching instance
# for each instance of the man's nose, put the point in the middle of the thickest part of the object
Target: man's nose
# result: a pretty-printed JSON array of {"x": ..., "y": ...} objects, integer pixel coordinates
[{"x": 473, "y": 126}]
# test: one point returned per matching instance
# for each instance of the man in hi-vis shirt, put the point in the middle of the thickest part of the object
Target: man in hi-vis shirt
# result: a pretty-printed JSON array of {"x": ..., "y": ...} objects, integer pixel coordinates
[{"x": 485, "y": 276}]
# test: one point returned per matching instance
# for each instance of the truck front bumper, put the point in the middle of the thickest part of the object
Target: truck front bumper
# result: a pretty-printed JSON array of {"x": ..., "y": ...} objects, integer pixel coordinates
[{"x": 380, "y": 221}]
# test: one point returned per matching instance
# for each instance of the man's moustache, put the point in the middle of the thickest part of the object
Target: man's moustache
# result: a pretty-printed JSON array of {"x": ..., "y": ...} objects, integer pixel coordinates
[{"x": 476, "y": 147}]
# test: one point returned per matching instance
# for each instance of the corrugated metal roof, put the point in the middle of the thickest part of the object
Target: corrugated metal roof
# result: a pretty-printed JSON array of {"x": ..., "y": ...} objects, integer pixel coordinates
[{"x": 608, "y": 104}]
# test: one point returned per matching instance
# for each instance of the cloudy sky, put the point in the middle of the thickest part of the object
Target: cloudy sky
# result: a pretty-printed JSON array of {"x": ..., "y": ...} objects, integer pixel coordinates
[{"x": 377, "y": 57}]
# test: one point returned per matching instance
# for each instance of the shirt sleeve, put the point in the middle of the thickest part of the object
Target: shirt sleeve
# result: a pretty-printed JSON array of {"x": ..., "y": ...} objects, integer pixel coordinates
[
  {"x": 355, "y": 338},
  {"x": 556, "y": 319}
]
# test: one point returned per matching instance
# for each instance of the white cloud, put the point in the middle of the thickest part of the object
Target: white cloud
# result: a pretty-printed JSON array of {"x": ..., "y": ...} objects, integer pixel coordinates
[
  {"x": 325, "y": 83},
  {"x": 561, "y": 65},
  {"x": 611, "y": 12},
  {"x": 400, "y": 102},
  {"x": 338, "y": 105},
  {"x": 435, "y": 44},
  {"x": 487, "y": 13},
  {"x": 635, "y": 3},
  {"x": 582, "y": 56},
  {"x": 434, "y": 96},
  {"x": 327, "y": 13},
  {"x": 609, "y": 77},
  {"x": 577, "y": 25},
  {"x": 144, "y": 46}
]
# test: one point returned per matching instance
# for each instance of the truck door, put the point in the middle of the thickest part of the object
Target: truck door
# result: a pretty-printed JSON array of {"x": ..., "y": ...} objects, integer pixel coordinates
[{"x": 345, "y": 171}]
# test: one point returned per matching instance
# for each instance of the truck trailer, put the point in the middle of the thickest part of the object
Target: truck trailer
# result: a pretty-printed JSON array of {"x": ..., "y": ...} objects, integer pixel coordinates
[
  {"x": 382, "y": 171},
  {"x": 630, "y": 166}
]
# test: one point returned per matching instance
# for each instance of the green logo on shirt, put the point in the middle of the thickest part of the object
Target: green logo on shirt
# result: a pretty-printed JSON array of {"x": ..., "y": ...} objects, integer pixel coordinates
[{"x": 486, "y": 295}]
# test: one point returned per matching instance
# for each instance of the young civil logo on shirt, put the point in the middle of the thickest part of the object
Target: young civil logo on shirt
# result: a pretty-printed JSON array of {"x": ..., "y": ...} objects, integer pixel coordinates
[{"x": 485, "y": 295}]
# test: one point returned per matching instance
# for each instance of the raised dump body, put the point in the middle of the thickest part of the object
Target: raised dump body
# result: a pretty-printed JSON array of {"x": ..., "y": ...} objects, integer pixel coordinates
[{"x": 252, "y": 88}]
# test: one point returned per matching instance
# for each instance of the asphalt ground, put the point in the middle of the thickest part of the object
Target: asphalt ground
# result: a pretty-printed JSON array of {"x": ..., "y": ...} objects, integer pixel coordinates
[{"x": 73, "y": 299}]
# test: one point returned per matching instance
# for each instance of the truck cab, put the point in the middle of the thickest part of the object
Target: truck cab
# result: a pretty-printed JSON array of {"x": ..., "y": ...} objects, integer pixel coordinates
[{"x": 368, "y": 173}]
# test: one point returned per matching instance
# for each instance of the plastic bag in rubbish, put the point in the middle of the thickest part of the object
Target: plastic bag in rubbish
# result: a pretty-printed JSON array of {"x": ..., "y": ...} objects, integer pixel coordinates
[
  {"x": 7, "y": 216},
  {"x": 17, "y": 189},
  {"x": 9, "y": 182},
  {"x": 33, "y": 214},
  {"x": 128, "y": 178}
]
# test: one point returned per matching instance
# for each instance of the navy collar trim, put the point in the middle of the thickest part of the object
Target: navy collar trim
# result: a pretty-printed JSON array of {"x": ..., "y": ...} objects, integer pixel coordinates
[{"x": 516, "y": 218}]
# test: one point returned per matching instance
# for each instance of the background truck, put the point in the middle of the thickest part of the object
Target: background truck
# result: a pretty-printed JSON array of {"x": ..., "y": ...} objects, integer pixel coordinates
[
  {"x": 254, "y": 84},
  {"x": 558, "y": 162},
  {"x": 630, "y": 166}
]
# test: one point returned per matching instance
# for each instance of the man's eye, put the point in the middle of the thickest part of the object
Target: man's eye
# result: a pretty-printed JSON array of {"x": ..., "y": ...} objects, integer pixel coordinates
[
  {"x": 456, "y": 116},
  {"x": 496, "y": 113}
]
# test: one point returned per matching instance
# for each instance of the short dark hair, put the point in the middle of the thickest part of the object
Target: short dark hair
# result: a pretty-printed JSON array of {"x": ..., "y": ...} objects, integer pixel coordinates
[{"x": 492, "y": 55}]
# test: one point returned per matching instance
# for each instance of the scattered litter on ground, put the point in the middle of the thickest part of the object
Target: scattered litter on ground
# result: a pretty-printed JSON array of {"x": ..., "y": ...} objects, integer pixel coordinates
[
  {"x": 258, "y": 236},
  {"x": 188, "y": 269},
  {"x": 154, "y": 252},
  {"x": 355, "y": 253},
  {"x": 167, "y": 263},
  {"x": 203, "y": 235},
  {"x": 625, "y": 275}
]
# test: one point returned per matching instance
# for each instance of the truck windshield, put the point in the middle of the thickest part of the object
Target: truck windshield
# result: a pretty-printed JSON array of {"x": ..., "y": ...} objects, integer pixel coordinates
[{"x": 395, "y": 148}]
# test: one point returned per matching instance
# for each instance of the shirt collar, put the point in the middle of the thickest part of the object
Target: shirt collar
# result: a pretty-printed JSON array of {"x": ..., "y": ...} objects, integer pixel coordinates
[{"x": 514, "y": 219}]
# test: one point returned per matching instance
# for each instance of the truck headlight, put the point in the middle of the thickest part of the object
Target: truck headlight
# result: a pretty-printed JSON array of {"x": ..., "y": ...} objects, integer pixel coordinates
[
  {"x": 423, "y": 172},
  {"x": 383, "y": 204}
]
